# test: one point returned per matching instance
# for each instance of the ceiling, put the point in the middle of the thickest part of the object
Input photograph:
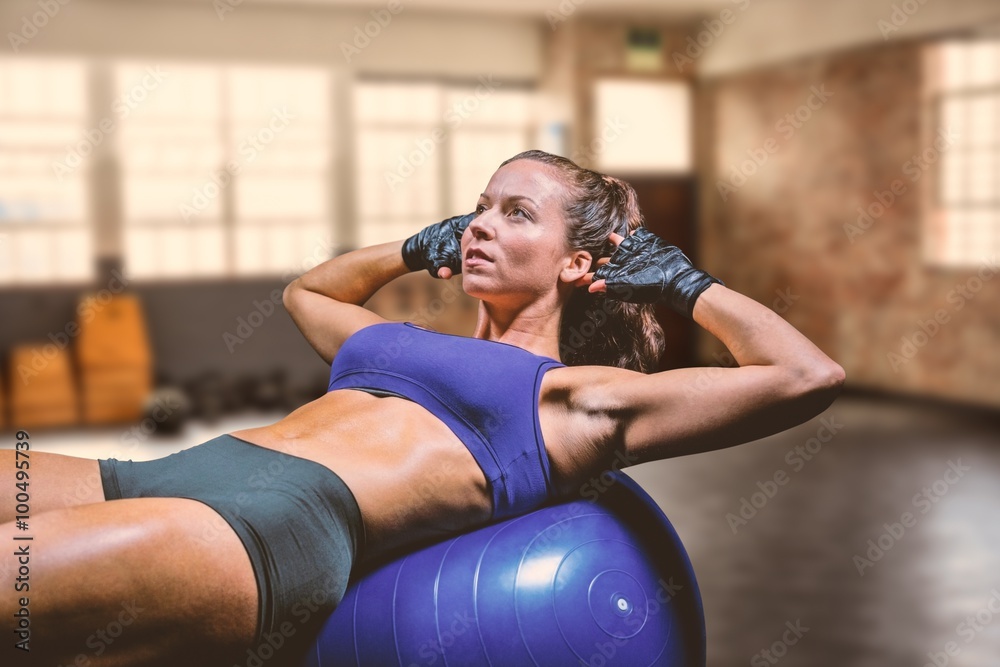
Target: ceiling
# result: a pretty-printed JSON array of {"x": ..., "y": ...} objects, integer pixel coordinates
[
  {"x": 537, "y": 8},
  {"x": 764, "y": 31}
]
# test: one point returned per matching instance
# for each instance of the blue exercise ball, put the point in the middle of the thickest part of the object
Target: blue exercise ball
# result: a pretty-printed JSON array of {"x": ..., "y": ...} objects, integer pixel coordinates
[{"x": 594, "y": 582}]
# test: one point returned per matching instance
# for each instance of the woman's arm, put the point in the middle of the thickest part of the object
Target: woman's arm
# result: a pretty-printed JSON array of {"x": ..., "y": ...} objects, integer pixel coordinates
[
  {"x": 783, "y": 380},
  {"x": 756, "y": 335},
  {"x": 326, "y": 303}
]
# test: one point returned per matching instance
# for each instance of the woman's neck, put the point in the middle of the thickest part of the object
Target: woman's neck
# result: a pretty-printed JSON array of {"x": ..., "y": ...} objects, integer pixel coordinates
[{"x": 538, "y": 334}]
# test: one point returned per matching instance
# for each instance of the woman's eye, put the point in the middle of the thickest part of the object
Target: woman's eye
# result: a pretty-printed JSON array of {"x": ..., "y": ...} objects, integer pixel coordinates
[
  {"x": 479, "y": 209},
  {"x": 523, "y": 212}
]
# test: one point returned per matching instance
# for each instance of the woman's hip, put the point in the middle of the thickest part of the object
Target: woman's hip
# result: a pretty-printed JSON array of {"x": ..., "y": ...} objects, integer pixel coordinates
[{"x": 298, "y": 521}]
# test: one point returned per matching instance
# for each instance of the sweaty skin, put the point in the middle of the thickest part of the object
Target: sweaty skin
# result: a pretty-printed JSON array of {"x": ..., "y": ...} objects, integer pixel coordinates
[{"x": 431, "y": 486}]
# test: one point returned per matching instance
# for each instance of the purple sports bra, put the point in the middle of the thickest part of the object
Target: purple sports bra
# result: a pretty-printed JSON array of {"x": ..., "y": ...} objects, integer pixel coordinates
[{"x": 485, "y": 391}]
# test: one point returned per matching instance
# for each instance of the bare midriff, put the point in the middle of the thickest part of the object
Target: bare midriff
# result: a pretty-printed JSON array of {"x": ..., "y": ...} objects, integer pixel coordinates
[
  {"x": 412, "y": 477},
  {"x": 410, "y": 474}
]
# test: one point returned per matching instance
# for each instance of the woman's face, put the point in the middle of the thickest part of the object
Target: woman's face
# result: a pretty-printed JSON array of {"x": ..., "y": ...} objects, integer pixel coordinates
[{"x": 520, "y": 226}]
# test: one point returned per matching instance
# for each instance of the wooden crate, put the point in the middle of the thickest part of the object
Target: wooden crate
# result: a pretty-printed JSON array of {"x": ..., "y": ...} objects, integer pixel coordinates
[
  {"x": 42, "y": 387},
  {"x": 112, "y": 394},
  {"x": 112, "y": 333},
  {"x": 114, "y": 359}
]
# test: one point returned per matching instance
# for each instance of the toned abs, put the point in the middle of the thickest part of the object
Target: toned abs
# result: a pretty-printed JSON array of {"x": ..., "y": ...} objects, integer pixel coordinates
[{"x": 410, "y": 474}]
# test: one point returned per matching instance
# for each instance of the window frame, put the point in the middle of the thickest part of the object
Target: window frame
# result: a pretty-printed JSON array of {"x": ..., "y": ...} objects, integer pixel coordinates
[{"x": 934, "y": 210}]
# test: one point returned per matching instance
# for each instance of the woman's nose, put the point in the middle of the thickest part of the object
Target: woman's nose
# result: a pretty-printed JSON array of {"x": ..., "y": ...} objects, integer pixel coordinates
[{"x": 480, "y": 226}]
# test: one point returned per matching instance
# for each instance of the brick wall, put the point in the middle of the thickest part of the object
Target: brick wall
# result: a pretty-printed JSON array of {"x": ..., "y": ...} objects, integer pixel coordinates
[{"x": 779, "y": 235}]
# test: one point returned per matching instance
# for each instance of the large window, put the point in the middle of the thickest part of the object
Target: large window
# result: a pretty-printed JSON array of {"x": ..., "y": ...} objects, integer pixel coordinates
[
  {"x": 169, "y": 145},
  {"x": 425, "y": 150},
  {"x": 641, "y": 127},
  {"x": 226, "y": 170},
  {"x": 398, "y": 161},
  {"x": 962, "y": 139},
  {"x": 499, "y": 127},
  {"x": 44, "y": 169},
  {"x": 211, "y": 170},
  {"x": 281, "y": 135}
]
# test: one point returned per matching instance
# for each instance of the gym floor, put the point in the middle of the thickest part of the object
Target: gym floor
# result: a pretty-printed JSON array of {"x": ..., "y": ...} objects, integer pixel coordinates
[
  {"x": 797, "y": 555},
  {"x": 793, "y": 562}
]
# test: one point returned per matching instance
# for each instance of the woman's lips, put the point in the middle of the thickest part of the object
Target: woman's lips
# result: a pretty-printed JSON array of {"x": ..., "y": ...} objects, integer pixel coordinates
[{"x": 475, "y": 257}]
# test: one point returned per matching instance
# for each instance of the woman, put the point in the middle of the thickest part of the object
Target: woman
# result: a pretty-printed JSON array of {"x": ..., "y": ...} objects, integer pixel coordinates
[{"x": 249, "y": 538}]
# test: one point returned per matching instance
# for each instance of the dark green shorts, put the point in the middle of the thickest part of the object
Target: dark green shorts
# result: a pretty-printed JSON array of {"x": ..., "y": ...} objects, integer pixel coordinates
[{"x": 299, "y": 522}]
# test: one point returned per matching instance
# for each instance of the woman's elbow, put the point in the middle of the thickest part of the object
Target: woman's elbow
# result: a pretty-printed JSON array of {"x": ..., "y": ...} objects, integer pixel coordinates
[
  {"x": 838, "y": 376},
  {"x": 833, "y": 377},
  {"x": 288, "y": 296},
  {"x": 826, "y": 380},
  {"x": 827, "y": 375}
]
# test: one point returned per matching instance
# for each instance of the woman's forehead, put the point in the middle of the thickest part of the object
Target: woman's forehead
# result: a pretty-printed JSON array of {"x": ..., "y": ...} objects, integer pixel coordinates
[{"x": 527, "y": 178}]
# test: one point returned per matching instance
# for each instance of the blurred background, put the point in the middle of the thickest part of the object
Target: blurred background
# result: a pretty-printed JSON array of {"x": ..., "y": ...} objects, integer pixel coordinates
[{"x": 168, "y": 166}]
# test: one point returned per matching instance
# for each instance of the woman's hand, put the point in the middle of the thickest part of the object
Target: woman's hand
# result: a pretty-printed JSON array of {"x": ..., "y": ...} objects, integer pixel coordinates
[
  {"x": 643, "y": 268},
  {"x": 438, "y": 247}
]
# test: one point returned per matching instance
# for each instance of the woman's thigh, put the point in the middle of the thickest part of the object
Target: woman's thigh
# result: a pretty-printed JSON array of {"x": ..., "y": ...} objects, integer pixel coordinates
[
  {"x": 128, "y": 582},
  {"x": 55, "y": 481}
]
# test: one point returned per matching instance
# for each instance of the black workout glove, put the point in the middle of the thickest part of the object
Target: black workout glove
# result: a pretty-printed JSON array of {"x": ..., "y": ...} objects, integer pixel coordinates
[
  {"x": 437, "y": 246},
  {"x": 646, "y": 269}
]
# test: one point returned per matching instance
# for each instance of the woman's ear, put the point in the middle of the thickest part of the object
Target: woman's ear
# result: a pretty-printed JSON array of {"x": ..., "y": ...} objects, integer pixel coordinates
[{"x": 578, "y": 266}]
